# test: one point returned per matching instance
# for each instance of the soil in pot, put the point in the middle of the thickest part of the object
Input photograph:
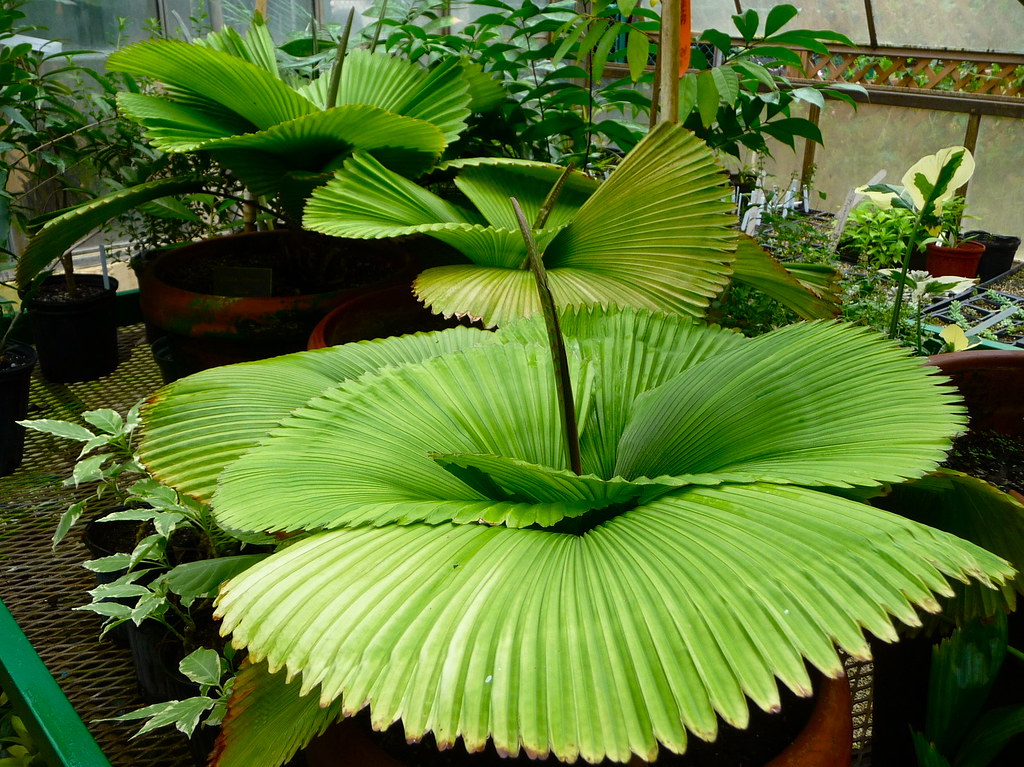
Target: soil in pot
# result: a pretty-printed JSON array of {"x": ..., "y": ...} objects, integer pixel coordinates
[
  {"x": 75, "y": 334},
  {"x": 992, "y": 456},
  {"x": 16, "y": 364}
]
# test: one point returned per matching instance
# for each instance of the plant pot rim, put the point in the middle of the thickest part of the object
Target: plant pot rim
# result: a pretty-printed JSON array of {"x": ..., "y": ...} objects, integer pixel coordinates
[
  {"x": 388, "y": 294},
  {"x": 32, "y": 357},
  {"x": 951, "y": 362},
  {"x": 149, "y": 270},
  {"x": 967, "y": 248},
  {"x": 95, "y": 280}
]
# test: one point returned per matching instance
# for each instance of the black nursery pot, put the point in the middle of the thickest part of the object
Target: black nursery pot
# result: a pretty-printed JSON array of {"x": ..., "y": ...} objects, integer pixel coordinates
[
  {"x": 15, "y": 378},
  {"x": 998, "y": 256},
  {"x": 76, "y": 337}
]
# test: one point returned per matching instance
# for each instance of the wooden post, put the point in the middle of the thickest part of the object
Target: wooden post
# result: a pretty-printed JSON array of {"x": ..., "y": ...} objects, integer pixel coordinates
[
  {"x": 668, "y": 61},
  {"x": 814, "y": 115},
  {"x": 971, "y": 142}
]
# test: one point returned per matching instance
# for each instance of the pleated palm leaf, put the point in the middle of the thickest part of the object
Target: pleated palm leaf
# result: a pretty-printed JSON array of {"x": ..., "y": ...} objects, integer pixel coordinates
[
  {"x": 280, "y": 136},
  {"x": 657, "y": 234},
  {"x": 445, "y": 568}
]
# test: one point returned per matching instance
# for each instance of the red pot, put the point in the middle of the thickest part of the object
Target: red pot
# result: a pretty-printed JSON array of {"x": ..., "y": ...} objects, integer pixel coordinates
[
  {"x": 991, "y": 382},
  {"x": 390, "y": 311},
  {"x": 825, "y": 741},
  {"x": 236, "y": 312},
  {"x": 961, "y": 261}
]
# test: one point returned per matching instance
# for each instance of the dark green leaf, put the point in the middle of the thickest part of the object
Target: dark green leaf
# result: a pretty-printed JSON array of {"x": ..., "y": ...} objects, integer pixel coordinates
[
  {"x": 718, "y": 39},
  {"x": 727, "y": 83},
  {"x": 637, "y": 53},
  {"x": 991, "y": 734},
  {"x": 602, "y": 50},
  {"x": 779, "y": 54},
  {"x": 568, "y": 42},
  {"x": 687, "y": 95},
  {"x": 590, "y": 39},
  {"x": 203, "y": 578},
  {"x": 778, "y": 17},
  {"x": 707, "y": 97},
  {"x": 747, "y": 24},
  {"x": 798, "y": 38}
]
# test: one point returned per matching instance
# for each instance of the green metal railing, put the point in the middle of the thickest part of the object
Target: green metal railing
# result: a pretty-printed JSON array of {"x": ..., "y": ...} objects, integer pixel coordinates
[{"x": 56, "y": 729}]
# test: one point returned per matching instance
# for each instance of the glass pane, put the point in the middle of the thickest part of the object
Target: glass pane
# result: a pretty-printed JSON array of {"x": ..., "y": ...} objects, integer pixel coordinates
[
  {"x": 992, "y": 193},
  {"x": 845, "y": 16},
  {"x": 336, "y": 12},
  {"x": 980, "y": 25},
  {"x": 284, "y": 17},
  {"x": 712, "y": 14},
  {"x": 92, "y": 26},
  {"x": 859, "y": 144}
]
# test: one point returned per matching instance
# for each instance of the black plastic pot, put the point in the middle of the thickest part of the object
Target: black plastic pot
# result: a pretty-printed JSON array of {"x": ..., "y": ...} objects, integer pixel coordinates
[
  {"x": 999, "y": 252},
  {"x": 156, "y": 653},
  {"x": 16, "y": 365},
  {"x": 104, "y": 539},
  {"x": 76, "y": 337}
]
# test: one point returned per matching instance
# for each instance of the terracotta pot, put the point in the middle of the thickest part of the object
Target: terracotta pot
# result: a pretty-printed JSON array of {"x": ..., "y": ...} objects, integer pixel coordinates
[
  {"x": 825, "y": 741},
  {"x": 15, "y": 380},
  {"x": 222, "y": 301},
  {"x": 991, "y": 382},
  {"x": 391, "y": 311},
  {"x": 961, "y": 261}
]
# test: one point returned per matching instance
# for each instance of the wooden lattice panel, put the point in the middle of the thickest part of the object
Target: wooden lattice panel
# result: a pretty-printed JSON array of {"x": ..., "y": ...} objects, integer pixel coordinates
[{"x": 974, "y": 74}]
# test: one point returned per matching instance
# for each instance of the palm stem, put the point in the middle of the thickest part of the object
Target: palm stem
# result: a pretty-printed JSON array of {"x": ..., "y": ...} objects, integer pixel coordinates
[
  {"x": 339, "y": 62},
  {"x": 559, "y": 358}
]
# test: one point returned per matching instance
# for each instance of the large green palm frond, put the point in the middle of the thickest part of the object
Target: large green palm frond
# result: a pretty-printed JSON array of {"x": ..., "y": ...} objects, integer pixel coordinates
[
  {"x": 600, "y": 645},
  {"x": 256, "y": 46},
  {"x": 292, "y": 159},
  {"x": 196, "y": 426},
  {"x": 285, "y": 141},
  {"x": 810, "y": 290},
  {"x": 209, "y": 81},
  {"x": 978, "y": 512},
  {"x": 629, "y": 612},
  {"x": 441, "y": 95},
  {"x": 61, "y": 232},
  {"x": 655, "y": 235}
]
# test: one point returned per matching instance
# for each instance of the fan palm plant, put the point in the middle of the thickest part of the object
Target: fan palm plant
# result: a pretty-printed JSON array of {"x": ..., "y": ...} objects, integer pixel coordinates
[
  {"x": 444, "y": 567},
  {"x": 279, "y": 134},
  {"x": 657, "y": 234}
]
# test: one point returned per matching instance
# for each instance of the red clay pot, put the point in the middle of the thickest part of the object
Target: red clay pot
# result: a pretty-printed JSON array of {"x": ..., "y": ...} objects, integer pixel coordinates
[
  {"x": 991, "y": 382},
  {"x": 207, "y": 328},
  {"x": 961, "y": 261},
  {"x": 825, "y": 741},
  {"x": 390, "y": 311}
]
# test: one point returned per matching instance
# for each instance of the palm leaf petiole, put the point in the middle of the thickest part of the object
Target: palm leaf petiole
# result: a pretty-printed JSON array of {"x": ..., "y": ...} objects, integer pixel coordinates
[{"x": 559, "y": 359}]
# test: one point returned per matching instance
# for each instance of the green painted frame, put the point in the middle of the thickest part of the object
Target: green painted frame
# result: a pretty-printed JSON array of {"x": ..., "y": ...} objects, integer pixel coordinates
[{"x": 58, "y": 732}]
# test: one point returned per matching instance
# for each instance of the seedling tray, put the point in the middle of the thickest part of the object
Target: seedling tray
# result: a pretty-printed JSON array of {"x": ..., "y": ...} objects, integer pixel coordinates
[{"x": 984, "y": 313}]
